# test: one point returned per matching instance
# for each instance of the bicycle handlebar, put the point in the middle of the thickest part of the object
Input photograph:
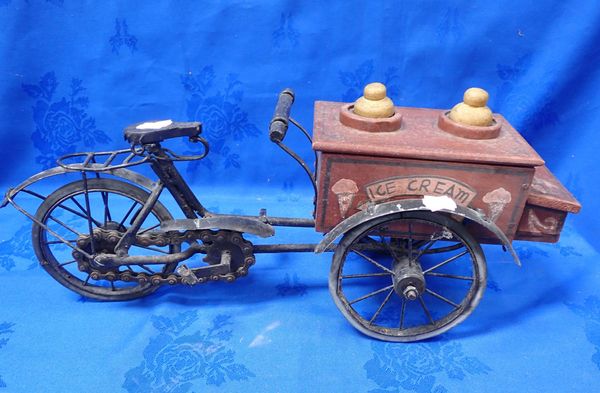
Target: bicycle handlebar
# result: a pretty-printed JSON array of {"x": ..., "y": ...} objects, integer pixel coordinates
[{"x": 280, "y": 121}]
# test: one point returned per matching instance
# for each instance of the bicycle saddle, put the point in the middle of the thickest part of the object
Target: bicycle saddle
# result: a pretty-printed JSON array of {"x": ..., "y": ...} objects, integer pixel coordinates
[{"x": 157, "y": 131}]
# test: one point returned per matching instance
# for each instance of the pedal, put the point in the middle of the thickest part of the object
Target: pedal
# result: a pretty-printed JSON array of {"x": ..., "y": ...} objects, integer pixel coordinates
[{"x": 187, "y": 275}]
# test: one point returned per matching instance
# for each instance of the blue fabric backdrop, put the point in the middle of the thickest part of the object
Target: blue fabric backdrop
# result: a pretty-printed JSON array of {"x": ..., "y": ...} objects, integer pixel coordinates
[{"x": 74, "y": 73}]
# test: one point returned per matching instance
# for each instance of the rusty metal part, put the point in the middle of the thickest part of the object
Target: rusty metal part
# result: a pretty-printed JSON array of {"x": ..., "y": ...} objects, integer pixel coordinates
[
  {"x": 246, "y": 224},
  {"x": 228, "y": 254},
  {"x": 126, "y": 174},
  {"x": 408, "y": 278},
  {"x": 373, "y": 289},
  {"x": 279, "y": 126},
  {"x": 96, "y": 161},
  {"x": 407, "y": 205},
  {"x": 129, "y": 236},
  {"x": 164, "y": 168}
]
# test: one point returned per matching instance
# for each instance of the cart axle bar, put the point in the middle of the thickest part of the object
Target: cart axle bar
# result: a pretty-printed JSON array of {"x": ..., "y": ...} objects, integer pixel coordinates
[{"x": 273, "y": 248}]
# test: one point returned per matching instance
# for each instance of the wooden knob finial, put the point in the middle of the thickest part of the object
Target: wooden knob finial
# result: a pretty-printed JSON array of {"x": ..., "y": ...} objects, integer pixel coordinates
[
  {"x": 473, "y": 110},
  {"x": 374, "y": 103}
]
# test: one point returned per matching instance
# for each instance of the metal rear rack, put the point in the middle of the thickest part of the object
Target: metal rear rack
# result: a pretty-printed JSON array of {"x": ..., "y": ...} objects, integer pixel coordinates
[
  {"x": 104, "y": 160},
  {"x": 136, "y": 155}
]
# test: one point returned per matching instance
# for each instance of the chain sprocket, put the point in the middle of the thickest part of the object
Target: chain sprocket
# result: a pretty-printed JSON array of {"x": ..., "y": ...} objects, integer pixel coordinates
[{"x": 214, "y": 242}]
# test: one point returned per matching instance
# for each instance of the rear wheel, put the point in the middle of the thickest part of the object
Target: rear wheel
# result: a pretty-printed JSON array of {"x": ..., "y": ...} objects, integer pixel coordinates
[
  {"x": 113, "y": 205},
  {"x": 407, "y": 276}
]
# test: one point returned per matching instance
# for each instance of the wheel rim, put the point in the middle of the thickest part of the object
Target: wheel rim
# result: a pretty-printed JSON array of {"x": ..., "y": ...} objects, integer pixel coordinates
[
  {"x": 407, "y": 277},
  {"x": 113, "y": 205}
]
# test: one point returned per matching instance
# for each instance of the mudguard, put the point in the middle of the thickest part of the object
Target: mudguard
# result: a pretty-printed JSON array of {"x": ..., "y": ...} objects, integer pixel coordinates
[
  {"x": 221, "y": 221},
  {"x": 442, "y": 204},
  {"x": 126, "y": 174}
]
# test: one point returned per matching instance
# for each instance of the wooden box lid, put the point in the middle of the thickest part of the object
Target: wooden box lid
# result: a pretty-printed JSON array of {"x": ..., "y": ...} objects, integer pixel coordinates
[
  {"x": 547, "y": 191},
  {"x": 419, "y": 138}
]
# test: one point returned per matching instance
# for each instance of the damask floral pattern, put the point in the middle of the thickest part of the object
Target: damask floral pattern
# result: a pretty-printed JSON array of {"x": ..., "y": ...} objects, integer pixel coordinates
[
  {"x": 356, "y": 80},
  {"x": 529, "y": 116},
  {"x": 590, "y": 312},
  {"x": 451, "y": 26},
  {"x": 530, "y": 252},
  {"x": 5, "y": 331},
  {"x": 62, "y": 125},
  {"x": 220, "y": 111},
  {"x": 18, "y": 245},
  {"x": 288, "y": 192},
  {"x": 175, "y": 362},
  {"x": 291, "y": 286},
  {"x": 122, "y": 37},
  {"x": 415, "y": 367},
  {"x": 286, "y": 35}
]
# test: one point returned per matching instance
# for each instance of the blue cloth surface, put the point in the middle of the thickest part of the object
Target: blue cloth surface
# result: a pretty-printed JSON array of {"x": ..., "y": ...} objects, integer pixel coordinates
[{"x": 73, "y": 74}]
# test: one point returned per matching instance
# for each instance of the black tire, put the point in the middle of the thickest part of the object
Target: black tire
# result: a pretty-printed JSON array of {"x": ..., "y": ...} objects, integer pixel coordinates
[
  {"x": 390, "y": 272},
  {"x": 53, "y": 254}
]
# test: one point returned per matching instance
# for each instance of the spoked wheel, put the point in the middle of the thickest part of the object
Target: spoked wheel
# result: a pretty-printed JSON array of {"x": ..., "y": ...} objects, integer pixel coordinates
[
  {"x": 408, "y": 276},
  {"x": 113, "y": 205}
]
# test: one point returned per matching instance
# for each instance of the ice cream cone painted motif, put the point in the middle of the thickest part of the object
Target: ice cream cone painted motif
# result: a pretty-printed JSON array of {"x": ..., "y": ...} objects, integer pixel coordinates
[
  {"x": 496, "y": 200},
  {"x": 345, "y": 190}
]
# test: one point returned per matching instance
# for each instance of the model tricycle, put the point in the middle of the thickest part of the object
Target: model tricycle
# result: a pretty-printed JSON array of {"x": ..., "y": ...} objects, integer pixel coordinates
[{"x": 404, "y": 197}]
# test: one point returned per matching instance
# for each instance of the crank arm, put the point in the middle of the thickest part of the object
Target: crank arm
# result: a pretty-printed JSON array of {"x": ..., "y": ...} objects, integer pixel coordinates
[
  {"x": 112, "y": 260},
  {"x": 200, "y": 274}
]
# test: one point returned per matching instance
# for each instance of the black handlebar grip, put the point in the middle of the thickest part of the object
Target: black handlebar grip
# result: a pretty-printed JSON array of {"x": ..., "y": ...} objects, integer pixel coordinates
[{"x": 281, "y": 117}]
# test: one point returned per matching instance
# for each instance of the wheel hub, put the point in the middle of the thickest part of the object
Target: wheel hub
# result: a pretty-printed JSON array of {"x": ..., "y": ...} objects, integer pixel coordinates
[{"x": 408, "y": 280}]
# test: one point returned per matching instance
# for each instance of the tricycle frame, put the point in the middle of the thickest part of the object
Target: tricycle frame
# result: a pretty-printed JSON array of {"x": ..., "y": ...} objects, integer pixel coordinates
[{"x": 385, "y": 229}]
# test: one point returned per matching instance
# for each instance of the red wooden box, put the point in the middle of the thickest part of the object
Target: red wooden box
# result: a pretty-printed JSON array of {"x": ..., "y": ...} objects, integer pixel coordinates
[{"x": 356, "y": 167}]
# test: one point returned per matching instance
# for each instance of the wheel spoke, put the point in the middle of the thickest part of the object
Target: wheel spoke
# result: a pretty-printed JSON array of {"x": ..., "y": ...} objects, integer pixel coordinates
[
  {"x": 366, "y": 275},
  {"x": 445, "y": 262},
  {"x": 374, "y": 262},
  {"x": 435, "y": 294},
  {"x": 426, "y": 310},
  {"x": 387, "y": 298},
  {"x": 59, "y": 242},
  {"x": 82, "y": 215},
  {"x": 65, "y": 225},
  {"x": 67, "y": 263},
  {"x": 112, "y": 286},
  {"x": 87, "y": 279},
  {"x": 388, "y": 247},
  {"x": 87, "y": 215},
  {"x": 457, "y": 277},
  {"x": 107, "y": 216},
  {"x": 402, "y": 310},
  {"x": 368, "y": 295},
  {"x": 89, "y": 211},
  {"x": 146, "y": 268},
  {"x": 149, "y": 229},
  {"x": 424, "y": 249},
  {"x": 410, "y": 241},
  {"x": 440, "y": 250},
  {"x": 128, "y": 213}
]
